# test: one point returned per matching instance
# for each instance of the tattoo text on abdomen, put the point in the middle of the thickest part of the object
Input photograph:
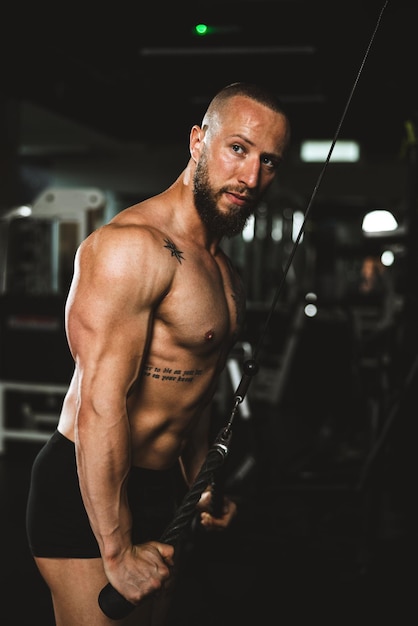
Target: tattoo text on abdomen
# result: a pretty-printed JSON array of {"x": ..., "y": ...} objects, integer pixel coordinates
[{"x": 169, "y": 374}]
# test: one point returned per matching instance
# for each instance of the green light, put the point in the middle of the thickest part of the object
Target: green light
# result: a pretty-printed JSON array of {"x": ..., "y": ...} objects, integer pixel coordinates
[{"x": 201, "y": 29}]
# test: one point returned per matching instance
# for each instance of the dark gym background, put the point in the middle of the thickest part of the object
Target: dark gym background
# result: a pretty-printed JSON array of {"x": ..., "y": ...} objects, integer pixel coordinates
[{"x": 96, "y": 108}]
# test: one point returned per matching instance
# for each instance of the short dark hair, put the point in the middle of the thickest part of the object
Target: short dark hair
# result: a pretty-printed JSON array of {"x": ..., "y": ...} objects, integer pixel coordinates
[{"x": 256, "y": 92}]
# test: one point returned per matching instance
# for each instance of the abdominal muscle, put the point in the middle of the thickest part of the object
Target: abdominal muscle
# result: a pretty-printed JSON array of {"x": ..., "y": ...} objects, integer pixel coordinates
[
  {"x": 161, "y": 416},
  {"x": 161, "y": 411}
]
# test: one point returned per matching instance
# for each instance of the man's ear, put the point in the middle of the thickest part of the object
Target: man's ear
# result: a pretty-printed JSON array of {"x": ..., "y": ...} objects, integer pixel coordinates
[{"x": 195, "y": 143}]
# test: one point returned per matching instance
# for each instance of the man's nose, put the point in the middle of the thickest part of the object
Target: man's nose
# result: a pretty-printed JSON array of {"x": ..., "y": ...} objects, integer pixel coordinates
[{"x": 250, "y": 173}]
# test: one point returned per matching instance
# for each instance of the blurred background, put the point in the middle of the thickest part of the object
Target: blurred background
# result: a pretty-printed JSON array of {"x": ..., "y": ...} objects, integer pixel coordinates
[{"x": 96, "y": 107}]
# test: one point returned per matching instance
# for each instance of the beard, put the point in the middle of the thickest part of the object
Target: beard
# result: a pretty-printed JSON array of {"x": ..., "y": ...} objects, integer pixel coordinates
[{"x": 206, "y": 202}]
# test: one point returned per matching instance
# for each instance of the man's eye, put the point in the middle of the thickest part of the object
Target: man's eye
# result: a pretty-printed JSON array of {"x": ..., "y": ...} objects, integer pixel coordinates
[
  {"x": 236, "y": 147},
  {"x": 270, "y": 163}
]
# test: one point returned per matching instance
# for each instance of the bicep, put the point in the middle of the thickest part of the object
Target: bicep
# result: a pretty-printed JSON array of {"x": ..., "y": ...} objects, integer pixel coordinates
[{"x": 108, "y": 317}]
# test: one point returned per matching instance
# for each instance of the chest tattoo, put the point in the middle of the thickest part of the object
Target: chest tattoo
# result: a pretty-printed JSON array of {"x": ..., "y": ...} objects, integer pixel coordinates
[{"x": 174, "y": 250}]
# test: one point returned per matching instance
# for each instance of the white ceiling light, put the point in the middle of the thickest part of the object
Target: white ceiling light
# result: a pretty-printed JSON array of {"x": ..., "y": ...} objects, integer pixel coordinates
[
  {"x": 344, "y": 151},
  {"x": 379, "y": 221}
]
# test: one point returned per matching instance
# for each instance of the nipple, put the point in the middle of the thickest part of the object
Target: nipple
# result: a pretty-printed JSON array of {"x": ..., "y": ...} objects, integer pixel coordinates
[{"x": 209, "y": 335}]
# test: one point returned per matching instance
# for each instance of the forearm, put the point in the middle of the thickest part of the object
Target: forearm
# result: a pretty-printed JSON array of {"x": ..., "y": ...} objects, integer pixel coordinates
[{"x": 103, "y": 464}]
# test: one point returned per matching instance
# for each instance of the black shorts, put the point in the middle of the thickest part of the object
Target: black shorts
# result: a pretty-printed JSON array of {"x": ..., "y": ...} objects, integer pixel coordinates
[{"x": 56, "y": 520}]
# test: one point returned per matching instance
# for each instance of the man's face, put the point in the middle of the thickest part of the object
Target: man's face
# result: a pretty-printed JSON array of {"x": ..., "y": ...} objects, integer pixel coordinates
[
  {"x": 237, "y": 155},
  {"x": 220, "y": 224}
]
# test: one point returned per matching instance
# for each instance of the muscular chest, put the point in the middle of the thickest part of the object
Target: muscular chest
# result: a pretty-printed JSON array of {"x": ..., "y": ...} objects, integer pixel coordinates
[{"x": 204, "y": 306}]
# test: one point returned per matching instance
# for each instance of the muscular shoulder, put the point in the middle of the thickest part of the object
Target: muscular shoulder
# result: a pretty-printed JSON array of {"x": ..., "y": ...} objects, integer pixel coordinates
[
  {"x": 127, "y": 255},
  {"x": 116, "y": 244}
]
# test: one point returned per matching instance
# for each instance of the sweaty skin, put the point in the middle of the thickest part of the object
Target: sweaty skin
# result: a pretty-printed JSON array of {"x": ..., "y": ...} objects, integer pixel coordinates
[{"x": 153, "y": 310}]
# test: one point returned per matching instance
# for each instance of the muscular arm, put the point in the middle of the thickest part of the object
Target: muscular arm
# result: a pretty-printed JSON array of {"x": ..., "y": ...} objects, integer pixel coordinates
[
  {"x": 192, "y": 460},
  {"x": 109, "y": 313}
]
